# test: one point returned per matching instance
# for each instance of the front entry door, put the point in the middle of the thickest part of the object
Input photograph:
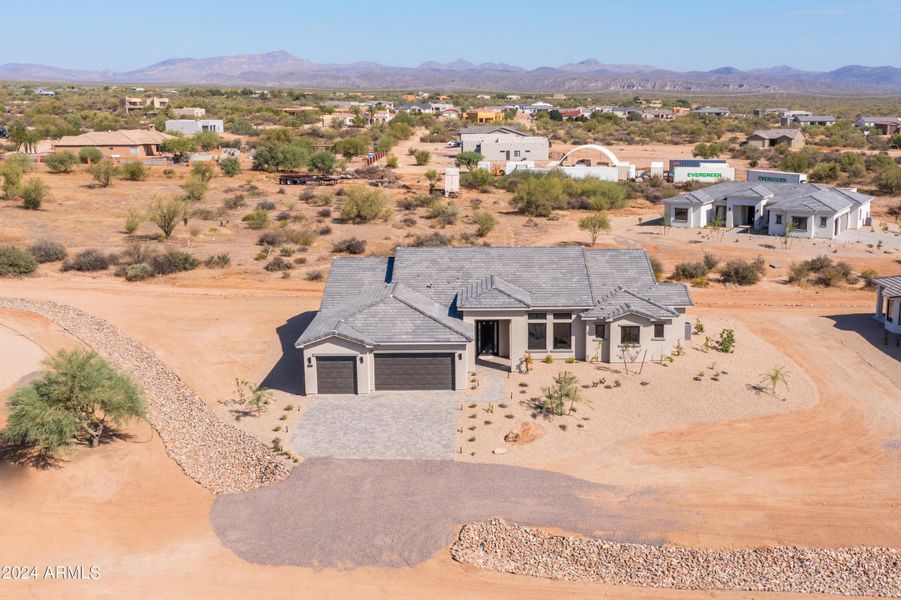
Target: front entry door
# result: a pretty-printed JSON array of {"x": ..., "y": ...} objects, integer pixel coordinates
[{"x": 487, "y": 338}]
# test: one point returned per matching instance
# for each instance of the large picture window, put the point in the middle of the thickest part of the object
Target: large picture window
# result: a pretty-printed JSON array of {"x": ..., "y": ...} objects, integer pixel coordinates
[
  {"x": 800, "y": 223},
  {"x": 538, "y": 336},
  {"x": 630, "y": 334},
  {"x": 563, "y": 336}
]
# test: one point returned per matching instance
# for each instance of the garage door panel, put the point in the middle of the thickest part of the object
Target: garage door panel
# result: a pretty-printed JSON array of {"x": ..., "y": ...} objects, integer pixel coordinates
[
  {"x": 336, "y": 374},
  {"x": 408, "y": 371}
]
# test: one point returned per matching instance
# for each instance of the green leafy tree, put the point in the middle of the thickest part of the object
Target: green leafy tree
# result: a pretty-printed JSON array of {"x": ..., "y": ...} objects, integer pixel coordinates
[
  {"x": 195, "y": 187},
  {"x": 207, "y": 140},
  {"x": 134, "y": 171},
  {"x": 77, "y": 399},
  {"x": 24, "y": 138},
  {"x": 203, "y": 170},
  {"x": 594, "y": 225},
  {"x": 12, "y": 179},
  {"x": 90, "y": 155},
  {"x": 888, "y": 180},
  {"x": 469, "y": 160},
  {"x": 103, "y": 172},
  {"x": 323, "y": 162},
  {"x": 363, "y": 205},
  {"x": 179, "y": 147},
  {"x": 60, "y": 162},
  {"x": 539, "y": 196},
  {"x": 165, "y": 213}
]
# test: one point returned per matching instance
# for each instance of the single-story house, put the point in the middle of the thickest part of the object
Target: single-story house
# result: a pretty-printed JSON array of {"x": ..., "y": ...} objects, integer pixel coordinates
[
  {"x": 194, "y": 126},
  {"x": 805, "y": 120},
  {"x": 499, "y": 142},
  {"x": 124, "y": 144},
  {"x": 195, "y": 112},
  {"x": 660, "y": 114},
  {"x": 768, "y": 138},
  {"x": 884, "y": 125},
  {"x": 888, "y": 302},
  {"x": 420, "y": 319},
  {"x": 712, "y": 111},
  {"x": 814, "y": 210}
]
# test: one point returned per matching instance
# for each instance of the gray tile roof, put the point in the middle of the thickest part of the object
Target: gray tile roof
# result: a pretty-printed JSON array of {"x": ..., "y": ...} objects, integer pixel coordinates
[
  {"x": 806, "y": 197},
  {"x": 430, "y": 285},
  {"x": 621, "y": 301},
  {"x": 487, "y": 129},
  {"x": 891, "y": 285},
  {"x": 493, "y": 292},
  {"x": 772, "y": 134}
]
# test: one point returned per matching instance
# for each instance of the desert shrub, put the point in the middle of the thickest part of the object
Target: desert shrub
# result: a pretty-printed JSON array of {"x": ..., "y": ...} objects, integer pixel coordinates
[
  {"x": 868, "y": 275},
  {"x": 138, "y": 272},
  {"x": 103, "y": 172},
  {"x": 134, "y": 171},
  {"x": 391, "y": 162},
  {"x": 430, "y": 240},
  {"x": 195, "y": 187},
  {"x": 234, "y": 202},
  {"x": 363, "y": 205},
  {"x": 45, "y": 251},
  {"x": 325, "y": 230},
  {"x": 136, "y": 252},
  {"x": 88, "y": 261},
  {"x": 90, "y": 155},
  {"x": 60, "y": 162},
  {"x": 202, "y": 170},
  {"x": 315, "y": 275},
  {"x": 690, "y": 270},
  {"x": 271, "y": 238},
  {"x": 283, "y": 216},
  {"x": 445, "y": 214},
  {"x": 278, "y": 264},
  {"x": 422, "y": 157},
  {"x": 888, "y": 180},
  {"x": 477, "y": 179},
  {"x": 740, "y": 272},
  {"x": 798, "y": 272},
  {"x": 165, "y": 213},
  {"x": 258, "y": 219},
  {"x": 539, "y": 196},
  {"x": 266, "y": 205},
  {"x": 133, "y": 220},
  {"x": 656, "y": 267},
  {"x": 217, "y": 261},
  {"x": 300, "y": 237},
  {"x": 350, "y": 245},
  {"x": 230, "y": 165},
  {"x": 833, "y": 275},
  {"x": 173, "y": 261},
  {"x": 710, "y": 261},
  {"x": 16, "y": 262},
  {"x": 325, "y": 213},
  {"x": 485, "y": 222},
  {"x": 206, "y": 214},
  {"x": 33, "y": 192}
]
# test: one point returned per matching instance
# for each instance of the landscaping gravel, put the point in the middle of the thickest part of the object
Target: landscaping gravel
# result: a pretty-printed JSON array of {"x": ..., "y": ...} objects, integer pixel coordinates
[
  {"x": 497, "y": 546},
  {"x": 216, "y": 455}
]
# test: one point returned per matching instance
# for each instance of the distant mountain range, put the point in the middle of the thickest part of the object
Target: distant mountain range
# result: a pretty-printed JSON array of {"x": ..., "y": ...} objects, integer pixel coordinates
[{"x": 282, "y": 69}]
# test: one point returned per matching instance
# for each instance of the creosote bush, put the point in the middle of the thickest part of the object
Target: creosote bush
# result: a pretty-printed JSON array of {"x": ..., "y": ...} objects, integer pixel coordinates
[
  {"x": 16, "y": 262},
  {"x": 363, "y": 205},
  {"x": 350, "y": 245},
  {"x": 45, "y": 251},
  {"x": 133, "y": 171},
  {"x": 742, "y": 272},
  {"x": 88, "y": 261}
]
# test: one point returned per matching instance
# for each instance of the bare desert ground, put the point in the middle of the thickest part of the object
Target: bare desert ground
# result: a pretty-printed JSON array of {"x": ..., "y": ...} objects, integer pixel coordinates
[{"x": 703, "y": 464}]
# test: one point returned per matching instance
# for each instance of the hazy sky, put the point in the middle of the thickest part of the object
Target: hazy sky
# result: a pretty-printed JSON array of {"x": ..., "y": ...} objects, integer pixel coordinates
[{"x": 682, "y": 35}]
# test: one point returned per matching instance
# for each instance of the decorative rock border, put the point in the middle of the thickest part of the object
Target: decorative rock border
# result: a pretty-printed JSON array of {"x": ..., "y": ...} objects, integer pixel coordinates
[
  {"x": 497, "y": 546},
  {"x": 218, "y": 456}
]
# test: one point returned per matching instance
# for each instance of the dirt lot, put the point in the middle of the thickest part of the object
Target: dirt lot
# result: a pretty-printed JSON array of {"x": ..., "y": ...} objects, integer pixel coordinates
[{"x": 819, "y": 468}]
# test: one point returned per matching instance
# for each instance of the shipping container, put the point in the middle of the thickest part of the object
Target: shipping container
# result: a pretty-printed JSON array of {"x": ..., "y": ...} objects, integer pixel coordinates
[
  {"x": 709, "y": 173},
  {"x": 776, "y": 176},
  {"x": 693, "y": 162}
]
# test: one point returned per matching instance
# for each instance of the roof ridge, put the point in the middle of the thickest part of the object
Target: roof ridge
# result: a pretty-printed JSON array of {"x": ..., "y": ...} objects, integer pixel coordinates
[
  {"x": 417, "y": 309},
  {"x": 649, "y": 301}
]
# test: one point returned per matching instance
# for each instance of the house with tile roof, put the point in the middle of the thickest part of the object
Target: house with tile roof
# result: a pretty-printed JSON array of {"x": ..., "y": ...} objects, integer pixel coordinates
[
  {"x": 888, "y": 302},
  {"x": 123, "y": 144},
  {"x": 768, "y": 138},
  {"x": 814, "y": 210},
  {"x": 420, "y": 320}
]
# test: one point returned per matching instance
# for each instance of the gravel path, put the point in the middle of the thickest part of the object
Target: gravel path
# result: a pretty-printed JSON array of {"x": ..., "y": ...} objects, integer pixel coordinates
[
  {"x": 393, "y": 513},
  {"x": 218, "y": 456},
  {"x": 860, "y": 571},
  {"x": 379, "y": 425}
]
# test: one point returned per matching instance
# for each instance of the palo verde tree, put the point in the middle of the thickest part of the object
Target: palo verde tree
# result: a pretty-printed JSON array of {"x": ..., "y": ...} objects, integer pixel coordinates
[
  {"x": 77, "y": 399},
  {"x": 468, "y": 159},
  {"x": 594, "y": 225}
]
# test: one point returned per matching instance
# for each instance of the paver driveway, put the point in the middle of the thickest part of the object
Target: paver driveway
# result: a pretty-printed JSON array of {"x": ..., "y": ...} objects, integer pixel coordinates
[{"x": 379, "y": 425}]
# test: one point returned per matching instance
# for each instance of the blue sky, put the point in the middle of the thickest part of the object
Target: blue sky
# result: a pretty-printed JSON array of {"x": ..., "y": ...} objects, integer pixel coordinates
[{"x": 682, "y": 35}]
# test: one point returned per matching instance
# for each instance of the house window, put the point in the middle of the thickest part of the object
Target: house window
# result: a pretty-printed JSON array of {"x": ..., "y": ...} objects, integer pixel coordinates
[
  {"x": 658, "y": 331},
  {"x": 537, "y": 316},
  {"x": 562, "y": 336},
  {"x": 517, "y": 153},
  {"x": 537, "y": 336},
  {"x": 889, "y": 310},
  {"x": 562, "y": 316},
  {"x": 800, "y": 223},
  {"x": 823, "y": 221},
  {"x": 629, "y": 334},
  {"x": 600, "y": 330},
  {"x": 778, "y": 219},
  {"x": 680, "y": 214}
]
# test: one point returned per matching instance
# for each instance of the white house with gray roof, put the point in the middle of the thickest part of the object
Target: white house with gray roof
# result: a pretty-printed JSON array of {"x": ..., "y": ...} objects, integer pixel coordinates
[
  {"x": 815, "y": 210},
  {"x": 888, "y": 302},
  {"x": 501, "y": 142},
  {"x": 419, "y": 320}
]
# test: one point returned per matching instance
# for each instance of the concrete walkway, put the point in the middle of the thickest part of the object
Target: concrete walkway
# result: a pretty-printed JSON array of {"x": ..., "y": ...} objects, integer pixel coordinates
[{"x": 379, "y": 425}]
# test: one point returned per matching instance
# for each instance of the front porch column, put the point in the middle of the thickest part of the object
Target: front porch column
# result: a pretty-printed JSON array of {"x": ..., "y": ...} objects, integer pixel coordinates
[
  {"x": 879, "y": 303},
  {"x": 730, "y": 219}
]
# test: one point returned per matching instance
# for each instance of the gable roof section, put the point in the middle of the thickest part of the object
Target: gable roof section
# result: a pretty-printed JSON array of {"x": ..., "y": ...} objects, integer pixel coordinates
[
  {"x": 489, "y": 129},
  {"x": 350, "y": 278},
  {"x": 621, "y": 301},
  {"x": 610, "y": 269},
  {"x": 493, "y": 292},
  {"x": 122, "y": 137},
  {"x": 387, "y": 314}
]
